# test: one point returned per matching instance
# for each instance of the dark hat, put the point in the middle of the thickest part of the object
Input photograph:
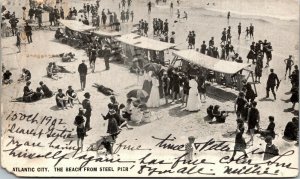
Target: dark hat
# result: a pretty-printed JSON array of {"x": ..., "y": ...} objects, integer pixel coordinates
[
  {"x": 268, "y": 139},
  {"x": 87, "y": 94}
]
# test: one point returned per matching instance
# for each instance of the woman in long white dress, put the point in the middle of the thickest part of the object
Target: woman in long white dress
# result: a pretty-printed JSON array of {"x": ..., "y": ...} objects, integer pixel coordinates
[
  {"x": 154, "y": 98},
  {"x": 193, "y": 103}
]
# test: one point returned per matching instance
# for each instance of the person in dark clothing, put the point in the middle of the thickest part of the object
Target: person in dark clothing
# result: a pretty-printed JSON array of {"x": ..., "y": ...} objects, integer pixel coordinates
[
  {"x": 240, "y": 143},
  {"x": 82, "y": 69},
  {"x": 106, "y": 55},
  {"x": 186, "y": 88},
  {"x": 253, "y": 119},
  {"x": 240, "y": 104},
  {"x": 6, "y": 79},
  {"x": 269, "y": 50},
  {"x": 88, "y": 6},
  {"x": 203, "y": 48},
  {"x": 294, "y": 77},
  {"x": 271, "y": 150},
  {"x": 51, "y": 17},
  {"x": 93, "y": 57},
  {"x": 61, "y": 100},
  {"x": 239, "y": 30},
  {"x": 31, "y": 13},
  {"x": 27, "y": 92},
  {"x": 149, "y": 7},
  {"x": 175, "y": 85},
  {"x": 13, "y": 24},
  {"x": 250, "y": 94},
  {"x": 28, "y": 31},
  {"x": 166, "y": 86},
  {"x": 288, "y": 65},
  {"x": 62, "y": 13},
  {"x": 251, "y": 31},
  {"x": 47, "y": 92},
  {"x": 295, "y": 96},
  {"x": 81, "y": 133},
  {"x": 211, "y": 42},
  {"x": 209, "y": 112},
  {"x": 115, "y": 121},
  {"x": 26, "y": 75},
  {"x": 86, "y": 104},
  {"x": 219, "y": 115},
  {"x": 291, "y": 129},
  {"x": 271, "y": 83},
  {"x": 228, "y": 17},
  {"x": 37, "y": 95},
  {"x": 71, "y": 95},
  {"x": 270, "y": 131},
  {"x": 115, "y": 104}
]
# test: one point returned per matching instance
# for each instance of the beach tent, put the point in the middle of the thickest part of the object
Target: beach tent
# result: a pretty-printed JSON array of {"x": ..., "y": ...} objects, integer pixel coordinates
[
  {"x": 222, "y": 66},
  {"x": 76, "y": 25},
  {"x": 135, "y": 44},
  {"x": 210, "y": 63},
  {"x": 144, "y": 42}
]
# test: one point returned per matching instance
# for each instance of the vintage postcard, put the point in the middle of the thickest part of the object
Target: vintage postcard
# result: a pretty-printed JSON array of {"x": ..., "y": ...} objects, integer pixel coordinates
[{"x": 150, "y": 88}]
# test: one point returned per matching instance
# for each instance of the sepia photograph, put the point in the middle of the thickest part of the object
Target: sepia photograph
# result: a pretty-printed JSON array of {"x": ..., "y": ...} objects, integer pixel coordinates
[{"x": 150, "y": 88}]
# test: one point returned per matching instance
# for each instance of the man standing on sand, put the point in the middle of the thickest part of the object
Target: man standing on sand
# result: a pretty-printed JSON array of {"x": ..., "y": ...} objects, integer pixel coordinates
[
  {"x": 82, "y": 69},
  {"x": 86, "y": 104},
  {"x": 149, "y": 7},
  {"x": 228, "y": 17},
  {"x": 28, "y": 31},
  {"x": 106, "y": 55},
  {"x": 13, "y": 24},
  {"x": 239, "y": 30},
  {"x": 251, "y": 31},
  {"x": 271, "y": 83},
  {"x": 289, "y": 63}
]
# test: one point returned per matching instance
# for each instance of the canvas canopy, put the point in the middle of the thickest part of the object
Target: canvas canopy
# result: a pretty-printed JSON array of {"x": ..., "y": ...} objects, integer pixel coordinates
[
  {"x": 210, "y": 63},
  {"x": 144, "y": 42},
  {"x": 107, "y": 33},
  {"x": 76, "y": 25}
]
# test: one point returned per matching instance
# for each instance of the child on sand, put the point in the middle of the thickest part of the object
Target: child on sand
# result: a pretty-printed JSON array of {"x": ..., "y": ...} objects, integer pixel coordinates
[{"x": 189, "y": 149}]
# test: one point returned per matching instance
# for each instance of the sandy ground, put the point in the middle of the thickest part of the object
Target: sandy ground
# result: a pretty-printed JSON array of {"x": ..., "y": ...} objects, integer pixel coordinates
[{"x": 173, "y": 119}]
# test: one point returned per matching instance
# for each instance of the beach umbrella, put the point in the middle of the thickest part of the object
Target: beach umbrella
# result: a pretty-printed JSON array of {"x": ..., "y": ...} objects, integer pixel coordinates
[
  {"x": 137, "y": 93},
  {"x": 153, "y": 67}
]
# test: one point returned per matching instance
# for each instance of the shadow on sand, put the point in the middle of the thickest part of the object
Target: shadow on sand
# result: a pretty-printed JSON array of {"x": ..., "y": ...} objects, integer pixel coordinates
[
  {"x": 265, "y": 99},
  {"x": 55, "y": 108},
  {"x": 178, "y": 112}
]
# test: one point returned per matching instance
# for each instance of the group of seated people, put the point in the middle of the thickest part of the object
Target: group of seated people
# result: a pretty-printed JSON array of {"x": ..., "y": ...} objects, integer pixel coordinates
[
  {"x": 137, "y": 112},
  {"x": 214, "y": 112},
  {"x": 67, "y": 57},
  {"x": 41, "y": 92},
  {"x": 62, "y": 99}
]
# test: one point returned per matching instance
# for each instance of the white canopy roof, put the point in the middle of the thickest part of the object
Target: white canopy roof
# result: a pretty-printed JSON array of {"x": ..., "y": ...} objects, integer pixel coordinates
[
  {"x": 107, "y": 33},
  {"x": 76, "y": 25},
  {"x": 144, "y": 42},
  {"x": 210, "y": 63}
]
